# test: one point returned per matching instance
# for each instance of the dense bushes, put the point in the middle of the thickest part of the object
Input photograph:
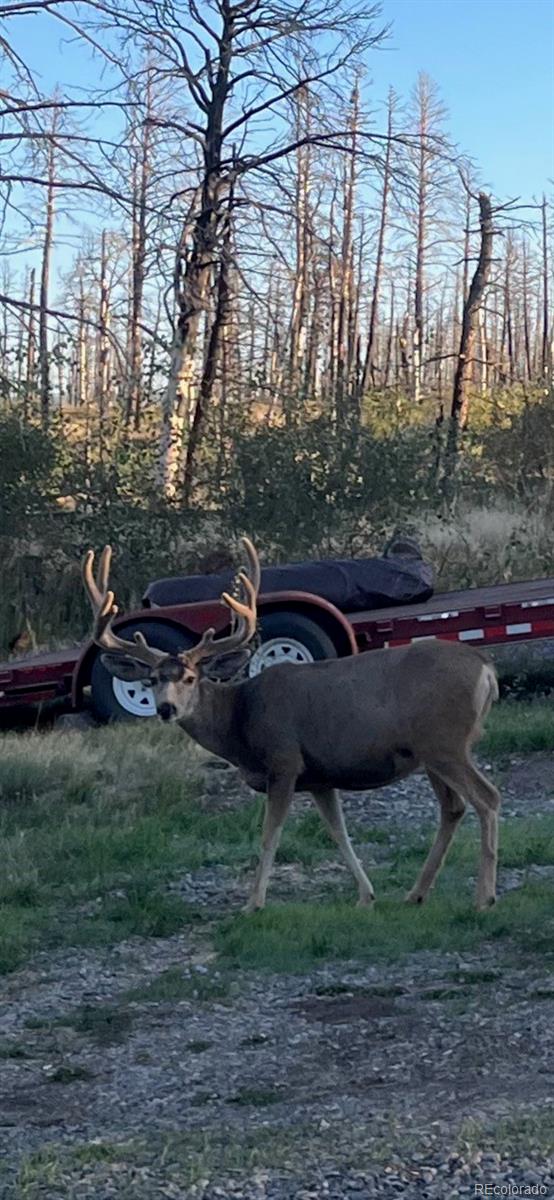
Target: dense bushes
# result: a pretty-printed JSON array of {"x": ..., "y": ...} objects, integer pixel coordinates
[{"x": 299, "y": 492}]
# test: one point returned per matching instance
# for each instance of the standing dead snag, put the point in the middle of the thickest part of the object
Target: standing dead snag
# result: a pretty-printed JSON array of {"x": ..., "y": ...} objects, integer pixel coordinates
[
  {"x": 43, "y": 351},
  {"x": 469, "y": 334}
]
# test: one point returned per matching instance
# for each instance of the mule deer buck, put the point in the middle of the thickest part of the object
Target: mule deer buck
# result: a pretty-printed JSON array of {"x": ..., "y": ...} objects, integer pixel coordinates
[{"x": 355, "y": 723}]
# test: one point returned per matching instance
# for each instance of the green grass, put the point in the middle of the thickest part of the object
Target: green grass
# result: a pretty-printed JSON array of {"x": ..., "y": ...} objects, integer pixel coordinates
[
  {"x": 256, "y": 1097},
  {"x": 296, "y": 937},
  {"x": 15, "y": 1050},
  {"x": 525, "y": 1134},
  {"x": 166, "y": 1164},
  {"x": 516, "y": 727},
  {"x": 95, "y": 825},
  {"x": 173, "y": 985},
  {"x": 70, "y": 1073},
  {"x": 105, "y": 1024}
]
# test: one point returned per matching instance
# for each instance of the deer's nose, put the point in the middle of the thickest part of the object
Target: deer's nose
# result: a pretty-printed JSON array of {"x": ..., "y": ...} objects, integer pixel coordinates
[{"x": 167, "y": 711}]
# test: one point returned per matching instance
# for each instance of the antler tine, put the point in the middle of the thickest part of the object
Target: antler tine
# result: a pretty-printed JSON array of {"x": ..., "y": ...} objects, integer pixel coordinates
[
  {"x": 104, "y": 610},
  {"x": 245, "y": 612},
  {"x": 255, "y": 573},
  {"x": 91, "y": 587},
  {"x": 104, "y": 569}
]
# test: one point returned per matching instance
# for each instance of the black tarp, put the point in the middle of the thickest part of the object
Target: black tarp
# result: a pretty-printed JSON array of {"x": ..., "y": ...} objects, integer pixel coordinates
[{"x": 350, "y": 584}]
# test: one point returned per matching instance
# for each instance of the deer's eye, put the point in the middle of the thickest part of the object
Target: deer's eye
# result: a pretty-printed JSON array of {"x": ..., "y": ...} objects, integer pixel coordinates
[{"x": 188, "y": 679}]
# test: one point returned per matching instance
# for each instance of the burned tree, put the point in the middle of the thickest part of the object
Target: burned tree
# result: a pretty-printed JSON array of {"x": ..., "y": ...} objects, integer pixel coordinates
[{"x": 469, "y": 337}]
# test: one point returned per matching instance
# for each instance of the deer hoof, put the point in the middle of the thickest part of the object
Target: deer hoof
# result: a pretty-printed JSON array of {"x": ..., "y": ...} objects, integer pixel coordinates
[
  {"x": 253, "y": 906},
  {"x": 366, "y": 901},
  {"x": 488, "y": 902},
  {"x": 414, "y": 898}
]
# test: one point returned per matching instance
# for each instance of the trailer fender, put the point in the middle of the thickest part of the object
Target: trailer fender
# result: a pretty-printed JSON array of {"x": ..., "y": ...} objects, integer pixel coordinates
[{"x": 191, "y": 620}]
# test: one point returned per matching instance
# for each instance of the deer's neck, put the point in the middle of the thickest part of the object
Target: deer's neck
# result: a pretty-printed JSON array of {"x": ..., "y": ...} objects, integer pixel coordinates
[{"x": 213, "y": 722}]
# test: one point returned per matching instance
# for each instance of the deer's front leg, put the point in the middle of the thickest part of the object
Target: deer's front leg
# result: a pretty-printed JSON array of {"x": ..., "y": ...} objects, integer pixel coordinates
[
  {"x": 279, "y": 796},
  {"x": 330, "y": 807}
]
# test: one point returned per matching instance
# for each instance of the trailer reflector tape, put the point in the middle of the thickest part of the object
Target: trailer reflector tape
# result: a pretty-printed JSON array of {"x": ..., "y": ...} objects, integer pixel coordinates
[
  {"x": 537, "y": 603},
  {"x": 425, "y": 637},
  {"x": 525, "y": 627},
  {"x": 470, "y": 635},
  {"x": 443, "y": 616}
]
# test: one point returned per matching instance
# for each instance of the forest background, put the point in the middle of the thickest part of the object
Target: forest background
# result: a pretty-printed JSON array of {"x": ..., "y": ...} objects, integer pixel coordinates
[{"x": 250, "y": 280}]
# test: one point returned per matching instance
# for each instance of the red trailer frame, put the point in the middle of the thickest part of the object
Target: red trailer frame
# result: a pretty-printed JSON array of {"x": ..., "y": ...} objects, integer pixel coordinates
[{"x": 505, "y": 613}]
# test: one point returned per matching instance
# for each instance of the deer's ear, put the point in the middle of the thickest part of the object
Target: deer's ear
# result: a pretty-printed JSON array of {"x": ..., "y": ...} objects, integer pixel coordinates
[
  {"x": 124, "y": 668},
  {"x": 226, "y": 666}
]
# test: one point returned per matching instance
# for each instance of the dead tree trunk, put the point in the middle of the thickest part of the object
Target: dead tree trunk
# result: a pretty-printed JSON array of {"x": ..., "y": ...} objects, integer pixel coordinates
[
  {"x": 525, "y": 304},
  {"x": 464, "y": 365},
  {"x": 30, "y": 373},
  {"x": 390, "y": 339},
  {"x": 545, "y": 356},
  {"x": 369, "y": 364},
  {"x": 82, "y": 352},
  {"x": 103, "y": 349},
  {"x": 211, "y": 360},
  {"x": 420, "y": 248},
  {"x": 299, "y": 314},
  {"x": 140, "y": 180},
  {"x": 344, "y": 407},
  {"x": 44, "y": 364}
]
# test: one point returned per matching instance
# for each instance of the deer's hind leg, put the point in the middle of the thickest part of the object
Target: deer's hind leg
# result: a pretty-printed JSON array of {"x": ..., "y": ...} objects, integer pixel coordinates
[
  {"x": 466, "y": 779},
  {"x": 452, "y": 809},
  {"x": 330, "y": 808}
]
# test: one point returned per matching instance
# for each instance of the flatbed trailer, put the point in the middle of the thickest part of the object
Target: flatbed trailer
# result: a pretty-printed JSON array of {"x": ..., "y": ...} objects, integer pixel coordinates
[{"x": 294, "y": 626}]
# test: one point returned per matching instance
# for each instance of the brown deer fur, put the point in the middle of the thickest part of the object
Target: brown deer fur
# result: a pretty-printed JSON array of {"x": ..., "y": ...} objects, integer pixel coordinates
[{"x": 355, "y": 723}]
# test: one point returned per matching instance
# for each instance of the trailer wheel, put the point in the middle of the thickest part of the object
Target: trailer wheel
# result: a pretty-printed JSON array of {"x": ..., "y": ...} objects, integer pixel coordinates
[
  {"x": 116, "y": 699},
  {"x": 290, "y": 637}
]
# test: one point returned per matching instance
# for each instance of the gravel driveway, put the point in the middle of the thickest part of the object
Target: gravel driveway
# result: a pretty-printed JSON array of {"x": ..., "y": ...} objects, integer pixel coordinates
[{"x": 416, "y": 1080}]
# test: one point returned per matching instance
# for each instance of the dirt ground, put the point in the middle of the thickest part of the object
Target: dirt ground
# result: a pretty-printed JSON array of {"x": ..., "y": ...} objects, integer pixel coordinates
[{"x": 420, "y": 1079}]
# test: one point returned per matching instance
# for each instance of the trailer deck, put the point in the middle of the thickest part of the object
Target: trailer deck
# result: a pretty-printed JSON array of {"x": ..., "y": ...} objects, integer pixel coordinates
[
  {"x": 495, "y": 615},
  {"x": 504, "y": 612}
]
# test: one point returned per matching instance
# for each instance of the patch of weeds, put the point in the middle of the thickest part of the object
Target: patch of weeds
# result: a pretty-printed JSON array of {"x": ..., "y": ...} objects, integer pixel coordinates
[
  {"x": 24, "y": 895},
  {"x": 526, "y": 1133},
  {"x": 102, "y": 1023},
  {"x": 201, "y": 1098},
  {"x": 176, "y": 984},
  {"x": 524, "y": 843},
  {"x": 20, "y": 928},
  {"x": 143, "y": 1058},
  {"x": 37, "y": 1022},
  {"x": 68, "y": 1073},
  {"x": 197, "y": 1046},
  {"x": 333, "y": 989},
  {"x": 440, "y": 993},
  {"x": 377, "y": 989},
  {"x": 387, "y": 989},
  {"x": 16, "y": 1050},
  {"x": 147, "y": 912},
  {"x": 144, "y": 1167},
  {"x": 255, "y": 1039},
  {"x": 473, "y": 977},
  {"x": 293, "y": 937},
  {"x": 256, "y": 1097},
  {"x": 305, "y": 840},
  {"x": 376, "y": 834},
  {"x": 519, "y": 728}
]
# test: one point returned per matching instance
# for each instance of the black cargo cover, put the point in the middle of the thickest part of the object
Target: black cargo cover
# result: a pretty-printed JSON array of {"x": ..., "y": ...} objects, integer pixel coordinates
[{"x": 350, "y": 584}]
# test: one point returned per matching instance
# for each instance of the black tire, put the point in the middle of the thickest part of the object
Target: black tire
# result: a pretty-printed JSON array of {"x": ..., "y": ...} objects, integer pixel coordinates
[
  {"x": 302, "y": 629},
  {"x": 105, "y": 704}
]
